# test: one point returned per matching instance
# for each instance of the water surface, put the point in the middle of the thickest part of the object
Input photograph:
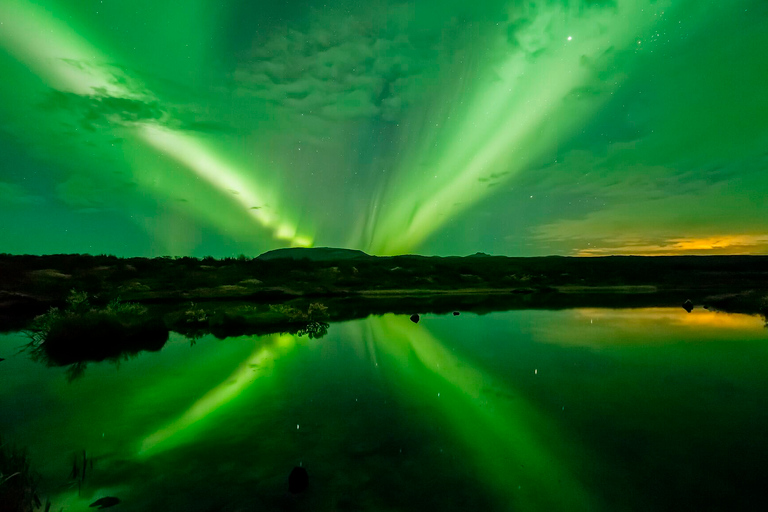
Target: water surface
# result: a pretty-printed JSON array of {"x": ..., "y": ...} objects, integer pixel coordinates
[{"x": 584, "y": 409}]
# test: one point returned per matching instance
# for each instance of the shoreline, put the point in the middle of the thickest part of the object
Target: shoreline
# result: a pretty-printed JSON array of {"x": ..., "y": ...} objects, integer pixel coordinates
[{"x": 360, "y": 285}]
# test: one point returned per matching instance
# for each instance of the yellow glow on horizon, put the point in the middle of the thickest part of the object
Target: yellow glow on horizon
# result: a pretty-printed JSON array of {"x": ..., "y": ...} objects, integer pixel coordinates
[{"x": 723, "y": 244}]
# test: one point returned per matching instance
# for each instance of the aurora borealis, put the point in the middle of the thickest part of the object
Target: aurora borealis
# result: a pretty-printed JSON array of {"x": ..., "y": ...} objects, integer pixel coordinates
[{"x": 436, "y": 127}]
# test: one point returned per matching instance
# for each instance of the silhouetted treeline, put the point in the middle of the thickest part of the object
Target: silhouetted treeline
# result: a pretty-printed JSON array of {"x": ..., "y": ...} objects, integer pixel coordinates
[{"x": 105, "y": 277}]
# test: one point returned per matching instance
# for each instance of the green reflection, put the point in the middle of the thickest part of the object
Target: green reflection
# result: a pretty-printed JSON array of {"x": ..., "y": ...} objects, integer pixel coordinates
[
  {"x": 630, "y": 409},
  {"x": 507, "y": 436},
  {"x": 201, "y": 414}
]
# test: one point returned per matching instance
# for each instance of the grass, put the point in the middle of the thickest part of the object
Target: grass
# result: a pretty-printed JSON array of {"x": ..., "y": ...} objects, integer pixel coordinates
[{"x": 18, "y": 482}]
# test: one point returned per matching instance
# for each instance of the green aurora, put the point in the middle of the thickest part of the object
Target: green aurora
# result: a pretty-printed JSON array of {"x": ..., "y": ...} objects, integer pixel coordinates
[{"x": 583, "y": 127}]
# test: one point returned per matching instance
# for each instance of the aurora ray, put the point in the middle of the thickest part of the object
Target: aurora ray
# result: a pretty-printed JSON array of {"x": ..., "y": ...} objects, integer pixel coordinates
[
  {"x": 68, "y": 63},
  {"x": 507, "y": 124}
]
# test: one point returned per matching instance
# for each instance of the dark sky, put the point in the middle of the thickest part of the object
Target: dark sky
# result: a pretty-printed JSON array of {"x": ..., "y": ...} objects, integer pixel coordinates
[{"x": 196, "y": 127}]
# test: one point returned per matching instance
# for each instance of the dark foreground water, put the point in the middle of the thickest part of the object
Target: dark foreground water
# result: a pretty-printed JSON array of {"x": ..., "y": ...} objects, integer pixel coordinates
[{"x": 647, "y": 409}]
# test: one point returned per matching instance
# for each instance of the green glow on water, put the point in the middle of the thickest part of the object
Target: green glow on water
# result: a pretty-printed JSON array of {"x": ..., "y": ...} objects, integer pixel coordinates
[
  {"x": 183, "y": 429},
  {"x": 505, "y": 435},
  {"x": 589, "y": 409}
]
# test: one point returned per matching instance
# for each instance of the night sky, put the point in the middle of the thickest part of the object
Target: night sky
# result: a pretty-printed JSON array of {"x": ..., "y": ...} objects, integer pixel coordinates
[{"x": 201, "y": 127}]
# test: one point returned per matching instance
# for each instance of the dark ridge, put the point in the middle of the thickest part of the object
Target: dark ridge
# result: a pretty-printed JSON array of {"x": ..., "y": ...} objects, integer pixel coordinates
[
  {"x": 313, "y": 254},
  {"x": 31, "y": 285}
]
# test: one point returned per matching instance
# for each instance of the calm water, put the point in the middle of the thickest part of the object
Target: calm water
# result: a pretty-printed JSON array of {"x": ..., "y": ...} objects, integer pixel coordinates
[{"x": 649, "y": 409}]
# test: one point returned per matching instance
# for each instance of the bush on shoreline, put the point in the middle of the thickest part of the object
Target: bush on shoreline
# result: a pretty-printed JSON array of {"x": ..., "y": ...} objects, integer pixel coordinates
[{"x": 81, "y": 332}]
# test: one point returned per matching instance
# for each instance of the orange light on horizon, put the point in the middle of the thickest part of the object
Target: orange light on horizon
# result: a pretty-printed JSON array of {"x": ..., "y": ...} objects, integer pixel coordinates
[{"x": 724, "y": 244}]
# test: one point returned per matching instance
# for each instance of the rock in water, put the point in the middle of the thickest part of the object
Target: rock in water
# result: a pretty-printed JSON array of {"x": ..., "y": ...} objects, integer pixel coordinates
[
  {"x": 298, "y": 480},
  {"x": 688, "y": 305},
  {"x": 2, "y": 359},
  {"x": 415, "y": 318},
  {"x": 107, "y": 502},
  {"x": 455, "y": 313}
]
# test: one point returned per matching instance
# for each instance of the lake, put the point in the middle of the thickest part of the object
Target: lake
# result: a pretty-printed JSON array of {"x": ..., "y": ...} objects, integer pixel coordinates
[{"x": 581, "y": 409}]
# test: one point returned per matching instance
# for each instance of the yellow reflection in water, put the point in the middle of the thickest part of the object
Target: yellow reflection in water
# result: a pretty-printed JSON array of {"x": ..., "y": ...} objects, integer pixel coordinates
[
  {"x": 604, "y": 328},
  {"x": 674, "y": 316}
]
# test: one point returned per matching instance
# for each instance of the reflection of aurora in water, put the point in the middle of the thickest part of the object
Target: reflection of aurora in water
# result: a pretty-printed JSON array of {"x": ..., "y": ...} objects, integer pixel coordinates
[
  {"x": 604, "y": 424},
  {"x": 505, "y": 435},
  {"x": 182, "y": 429}
]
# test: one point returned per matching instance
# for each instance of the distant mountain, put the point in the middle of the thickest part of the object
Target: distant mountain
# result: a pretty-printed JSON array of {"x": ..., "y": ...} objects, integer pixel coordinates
[{"x": 314, "y": 254}]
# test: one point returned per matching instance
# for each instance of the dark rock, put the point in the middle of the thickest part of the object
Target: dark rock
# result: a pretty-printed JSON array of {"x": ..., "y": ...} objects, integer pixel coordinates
[
  {"x": 456, "y": 313},
  {"x": 2, "y": 359},
  {"x": 298, "y": 480},
  {"x": 107, "y": 502},
  {"x": 415, "y": 318},
  {"x": 688, "y": 305}
]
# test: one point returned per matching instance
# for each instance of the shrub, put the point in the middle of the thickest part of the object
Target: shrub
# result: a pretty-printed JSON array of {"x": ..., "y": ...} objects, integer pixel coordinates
[
  {"x": 314, "y": 330},
  {"x": 292, "y": 314},
  {"x": 83, "y": 333}
]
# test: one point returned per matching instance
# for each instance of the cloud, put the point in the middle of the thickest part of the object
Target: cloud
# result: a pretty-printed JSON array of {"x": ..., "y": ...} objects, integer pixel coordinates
[
  {"x": 620, "y": 172},
  {"x": 124, "y": 101},
  {"x": 530, "y": 27},
  {"x": 339, "y": 69},
  {"x": 100, "y": 109},
  {"x": 13, "y": 194}
]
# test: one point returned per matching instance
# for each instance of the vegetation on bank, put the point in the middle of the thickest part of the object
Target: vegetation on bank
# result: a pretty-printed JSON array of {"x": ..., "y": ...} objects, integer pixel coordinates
[
  {"x": 18, "y": 482},
  {"x": 82, "y": 332}
]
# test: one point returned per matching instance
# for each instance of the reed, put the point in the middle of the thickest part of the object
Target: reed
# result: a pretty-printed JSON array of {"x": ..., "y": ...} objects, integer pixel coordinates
[{"x": 18, "y": 482}]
